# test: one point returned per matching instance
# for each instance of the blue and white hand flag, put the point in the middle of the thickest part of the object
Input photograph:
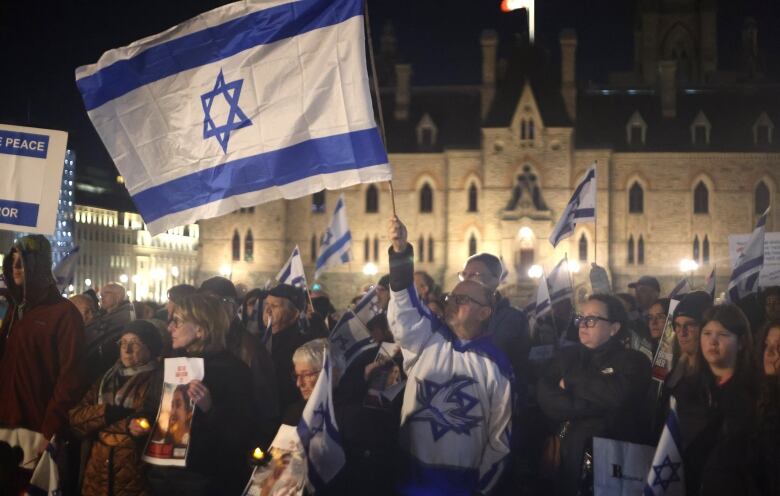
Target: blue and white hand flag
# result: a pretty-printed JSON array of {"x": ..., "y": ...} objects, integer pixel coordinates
[
  {"x": 543, "y": 302},
  {"x": 350, "y": 336},
  {"x": 292, "y": 271},
  {"x": 65, "y": 271},
  {"x": 580, "y": 209},
  {"x": 710, "y": 283},
  {"x": 681, "y": 289},
  {"x": 666, "y": 473},
  {"x": 336, "y": 242},
  {"x": 744, "y": 276},
  {"x": 560, "y": 282},
  {"x": 319, "y": 432},
  {"x": 244, "y": 104}
]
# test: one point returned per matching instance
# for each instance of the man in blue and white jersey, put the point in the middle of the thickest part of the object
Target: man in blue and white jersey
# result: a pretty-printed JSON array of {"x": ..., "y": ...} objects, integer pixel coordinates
[{"x": 457, "y": 406}]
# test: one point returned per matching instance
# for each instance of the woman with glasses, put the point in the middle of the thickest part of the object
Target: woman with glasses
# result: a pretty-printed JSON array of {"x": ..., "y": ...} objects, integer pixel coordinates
[
  {"x": 220, "y": 430},
  {"x": 307, "y": 364},
  {"x": 102, "y": 417},
  {"x": 716, "y": 407},
  {"x": 593, "y": 389}
]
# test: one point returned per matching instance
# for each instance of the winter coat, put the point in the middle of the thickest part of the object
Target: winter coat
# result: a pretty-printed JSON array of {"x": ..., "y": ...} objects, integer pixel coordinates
[
  {"x": 41, "y": 346},
  {"x": 716, "y": 423},
  {"x": 221, "y": 439},
  {"x": 283, "y": 345},
  {"x": 114, "y": 465},
  {"x": 509, "y": 329},
  {"x": 101, "y": 335},
  {"x": 604, "y": 389},
  {"x": 765, "y": 445}
]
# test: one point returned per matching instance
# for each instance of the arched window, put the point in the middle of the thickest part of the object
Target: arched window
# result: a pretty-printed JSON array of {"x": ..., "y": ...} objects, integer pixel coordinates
[
  {"x": 313, "y": 248},
  {"x": 472, "y": 245},
  {"x": 366, "y": 249},
  {"x": 421, "y": 252},
  {"x": 640, "y": 251},
  {"x": 705, "y": 250},
  {"x": 701, "y": 199},
  {"x": 430, "y": 248},
  {"x": 236, "y": 246},
  {"x": 696, "y": 248},
  {"x": 186, "y": 230},
  {"x": 523, "y": 129},
  {"x": 426, "y": 198},
  {"x": 372, "y": 199},
  {"x": 376, "y": 248},
  {"x": 630, "y": 248},
  {"x": 473, "y": 198},
  {"x": 318, "y": 202},
  {"x": 761, "y": 198},
  {"x": 531, "y": 131},
  {"x": 636, "y": 199},
  {"x": 249, "y": 246},
  {"x": 583, "y": 248}
]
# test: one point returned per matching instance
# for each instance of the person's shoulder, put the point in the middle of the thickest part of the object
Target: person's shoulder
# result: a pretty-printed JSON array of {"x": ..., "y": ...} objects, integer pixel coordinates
[
  {"x": 485, "y": 349},
  {"x": 635, "y": 357}
]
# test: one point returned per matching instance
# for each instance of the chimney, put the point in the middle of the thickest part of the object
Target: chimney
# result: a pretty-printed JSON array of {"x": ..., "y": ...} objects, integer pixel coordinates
[
  {"x": 489, "y": 42},
  {"x": 667, "y": 75},
  {"x": 403, "y": 76},
  {"x": 568, "y": 71}
]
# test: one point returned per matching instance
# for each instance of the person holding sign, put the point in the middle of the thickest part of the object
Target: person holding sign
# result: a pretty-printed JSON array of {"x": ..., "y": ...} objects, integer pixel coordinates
[{"x": 222, "y": 411}]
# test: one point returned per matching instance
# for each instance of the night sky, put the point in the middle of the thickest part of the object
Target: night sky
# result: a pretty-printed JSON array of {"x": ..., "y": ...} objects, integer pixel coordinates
[{"x": 43, "y": 42}]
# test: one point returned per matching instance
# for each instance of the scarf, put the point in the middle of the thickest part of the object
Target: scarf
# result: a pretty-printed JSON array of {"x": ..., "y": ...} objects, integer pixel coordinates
[{"x": 120, "y": 384}]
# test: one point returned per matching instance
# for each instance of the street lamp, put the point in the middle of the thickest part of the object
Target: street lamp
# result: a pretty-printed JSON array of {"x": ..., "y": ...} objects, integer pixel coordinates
[
  {"x": 123, "y": 278},
  {"x": 88, "y": 282},
  {"x": 225, "y": 271},
  {"x": 535, "y": 272},
  {"x": 573, "y": 266},
  {"x": 370, "y": 269},
  {"x": 688, "y": 266},
  {"x": 175, "y": 271}
]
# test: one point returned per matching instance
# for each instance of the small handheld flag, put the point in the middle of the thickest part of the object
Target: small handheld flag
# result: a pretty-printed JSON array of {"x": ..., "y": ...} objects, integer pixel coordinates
[
  {"x": 666, "y": 473},
  {"x": 292, "y": 271}
]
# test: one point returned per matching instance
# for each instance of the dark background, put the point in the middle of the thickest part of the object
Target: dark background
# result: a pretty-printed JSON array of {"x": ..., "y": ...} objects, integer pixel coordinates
[{"x": 41, "y": 44}]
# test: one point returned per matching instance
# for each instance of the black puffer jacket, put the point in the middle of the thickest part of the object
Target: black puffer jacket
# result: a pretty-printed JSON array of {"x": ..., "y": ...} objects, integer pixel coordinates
[{"x": 604, "y": 388}]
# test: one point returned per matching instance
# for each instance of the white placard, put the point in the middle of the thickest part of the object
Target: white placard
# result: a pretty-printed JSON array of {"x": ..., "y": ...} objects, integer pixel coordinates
[
  {"x": 770, "y": 274},
  {"x": 31, "y": 164}
]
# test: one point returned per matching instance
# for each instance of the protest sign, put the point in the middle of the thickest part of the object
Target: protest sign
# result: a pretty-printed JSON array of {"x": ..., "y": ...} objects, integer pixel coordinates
[
  {"x": 386, "y": 380},
  {"x": 169, "y": 444},
  {"x": 620, "y": 467},
  {"x": 770, "y": 273},
  {"x": 285, "y": 474},
  {"x": 31, "y": 164},
  {"x": 664, "y": 356}
]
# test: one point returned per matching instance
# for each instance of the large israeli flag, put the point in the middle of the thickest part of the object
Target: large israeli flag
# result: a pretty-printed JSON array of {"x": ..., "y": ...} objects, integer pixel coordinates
[
  {"x": 559, "y": 282},
  {"x": 580, "y": 209},
  {"x": 65, "y": 270},
  {"x": 666, "y": 473},
  {"x": 319, "y": 432},
  {"x": 292, "y": 271},
  {"x": 244, "y": 104},
  {"x": 744, "y": 276},
  {"x": 336, "y": 242}
]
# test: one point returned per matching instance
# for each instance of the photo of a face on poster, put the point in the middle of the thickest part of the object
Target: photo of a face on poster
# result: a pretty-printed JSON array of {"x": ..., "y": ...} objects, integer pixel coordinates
[
  {"x": 171, "y": 435},
  {"x": 285, "y": 474}
]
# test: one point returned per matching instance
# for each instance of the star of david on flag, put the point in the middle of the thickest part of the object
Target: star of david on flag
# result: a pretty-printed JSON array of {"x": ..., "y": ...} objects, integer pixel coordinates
[
  {"x": 350, "y": 336},
  {"x": 242, "y": 105},
  {"x": 580, "y": 209},
  {"x": 665, "y": 477},
  {"x": 236, "y": 118}
]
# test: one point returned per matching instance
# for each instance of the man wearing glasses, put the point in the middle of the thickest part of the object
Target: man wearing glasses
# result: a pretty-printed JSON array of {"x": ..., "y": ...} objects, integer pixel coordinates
[{"x": 457, "y": 406}]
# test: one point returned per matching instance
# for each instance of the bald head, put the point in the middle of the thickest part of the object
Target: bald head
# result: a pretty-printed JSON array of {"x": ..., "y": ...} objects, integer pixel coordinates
[
  {"x": 111, "y": 295},
  {"x": 86, "y": 307}
]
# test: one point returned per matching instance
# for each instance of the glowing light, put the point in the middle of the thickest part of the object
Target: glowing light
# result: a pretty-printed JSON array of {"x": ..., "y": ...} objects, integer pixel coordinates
[
  {"x": 158, "y": 274},
  {"x": 175, "y": 271},
  {"x": 687, "y": 265},
  {"x": 574, "y": 266},
  {"x": 123, "y": 278},
  {"x": 224, "y": 271},
  {"x": 535, "y": 272},
  {"x": 144, "y": 424},
  {"x": 87, "y": 282},
  {"x": 70, "y": 288},
  {"x": 258, "y": 454},
  {"x": 525, "y": 233},
  {"x": 370, "y": 269},
  {"x": 136, "y": 278},
  {"x": 510, "y": 5}
]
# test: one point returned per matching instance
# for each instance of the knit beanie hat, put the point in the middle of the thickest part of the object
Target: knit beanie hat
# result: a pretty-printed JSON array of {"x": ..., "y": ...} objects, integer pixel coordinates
[{"x": 148, "y": 333}]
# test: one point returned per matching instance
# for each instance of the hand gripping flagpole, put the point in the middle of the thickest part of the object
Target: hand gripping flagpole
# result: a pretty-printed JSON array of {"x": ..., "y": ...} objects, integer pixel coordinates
[{"x": 376, "y": 93}]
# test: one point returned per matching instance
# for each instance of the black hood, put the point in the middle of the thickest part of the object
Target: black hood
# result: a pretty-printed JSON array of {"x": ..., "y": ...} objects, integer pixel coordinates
[{"x": 36, "y": 261}]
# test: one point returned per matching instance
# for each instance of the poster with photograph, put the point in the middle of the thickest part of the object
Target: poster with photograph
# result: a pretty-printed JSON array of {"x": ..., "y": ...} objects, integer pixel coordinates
[
  {"x": 170, "y": 439},
  {"x": 664, "y": 356},
  {"x": 285, "y": 474},
  {"x": 387, "y": 379}
]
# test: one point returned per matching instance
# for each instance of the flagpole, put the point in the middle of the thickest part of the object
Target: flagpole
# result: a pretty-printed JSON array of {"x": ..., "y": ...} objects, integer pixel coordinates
[
  {"x": 595, "y": 215},
  {"x": 376, "y": 93}
]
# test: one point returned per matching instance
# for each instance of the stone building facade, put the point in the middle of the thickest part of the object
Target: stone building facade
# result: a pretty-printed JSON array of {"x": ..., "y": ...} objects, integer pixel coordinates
[{"x": 686, "y": 155}]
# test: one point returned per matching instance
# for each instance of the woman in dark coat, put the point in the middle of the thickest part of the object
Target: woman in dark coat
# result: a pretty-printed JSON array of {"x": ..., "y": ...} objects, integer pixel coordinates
[
  {"x": 593, "y": 389},
  {"x": 220, "y": 435},
  {"x": 766, "y": 442},
  {"x": 716, "y": 407},
  {"x": 114, "y": 464}
]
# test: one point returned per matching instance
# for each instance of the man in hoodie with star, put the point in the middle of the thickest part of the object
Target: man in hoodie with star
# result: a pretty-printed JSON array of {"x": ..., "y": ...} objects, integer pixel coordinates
[{"x": 457, "y": 405}]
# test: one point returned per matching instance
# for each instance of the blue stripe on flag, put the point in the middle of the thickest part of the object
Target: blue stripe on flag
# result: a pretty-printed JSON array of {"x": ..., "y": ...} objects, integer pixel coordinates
[
  {"x": 335, "y": 247},
  {"x": 213, "y": 44},
  {"x": 746, "y": 266},
  {"x": 336, "y": 153},
  {"x": 674, "y": 429},
  {"x": 584, "y": 212}
]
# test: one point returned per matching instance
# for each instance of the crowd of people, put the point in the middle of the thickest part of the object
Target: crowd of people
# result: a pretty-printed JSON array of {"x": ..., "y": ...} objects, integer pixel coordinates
[{"x": 487, "y": 402}]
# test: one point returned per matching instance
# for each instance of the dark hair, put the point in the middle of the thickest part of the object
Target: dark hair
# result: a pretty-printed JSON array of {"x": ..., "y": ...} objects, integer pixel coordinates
[
  {"x": 664, "y": 302},
  {"x": 770, "y": 291},
  {"x": 616, "y": 312},
  {"x": 179, "y": 291},
  {"x": 734, "y": 320},
  {"x": 761, "y": 340},
  {"x": 492, "y": 262},
  {"x": 427, "y": 279},
  {"x": 628, "y": 298}
]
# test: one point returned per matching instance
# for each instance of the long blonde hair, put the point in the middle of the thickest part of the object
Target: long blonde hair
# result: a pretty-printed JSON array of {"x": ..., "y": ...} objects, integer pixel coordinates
[{"x": 206, "y": 311}]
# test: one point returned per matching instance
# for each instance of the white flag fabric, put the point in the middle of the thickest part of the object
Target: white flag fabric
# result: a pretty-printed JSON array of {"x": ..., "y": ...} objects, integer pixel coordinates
[
  {"x": 665, "y": 477},
  {"x": 65, "y": 271},
  {"x": 710, "y": 283},
  {"x": 560, "y": 282},
  {"x": 350, "y": 336},
  {"x": 681, "y": 289},
  {"x": 619, "y": 467},
  {"x": 45, "y": 478},
  {"x": 292, "y": 271},
  {"x": 319, "y": 432},
  {"x": 580, "y": 209},
  {"x": 336, "y": 242},
  {"x": 244, "y": 104},
  {"x": 543, "y": 303},
  {"x": 744, "y": 276}
]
